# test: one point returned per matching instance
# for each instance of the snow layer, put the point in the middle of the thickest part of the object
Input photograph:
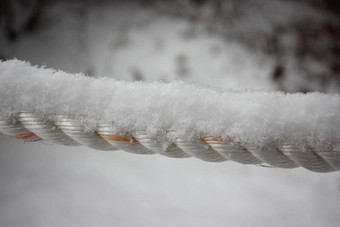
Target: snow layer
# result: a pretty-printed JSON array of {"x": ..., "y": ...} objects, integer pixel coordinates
[
  {"x": 254, "y": 116},
  {"x": 52, "y": 185}
]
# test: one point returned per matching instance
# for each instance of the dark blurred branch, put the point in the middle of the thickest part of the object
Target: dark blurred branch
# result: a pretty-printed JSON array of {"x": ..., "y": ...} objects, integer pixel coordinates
[
  {"x": 7, "y": 15},
  {"x": 33, "y": 20},
  {"x": 12, "y": 10}
]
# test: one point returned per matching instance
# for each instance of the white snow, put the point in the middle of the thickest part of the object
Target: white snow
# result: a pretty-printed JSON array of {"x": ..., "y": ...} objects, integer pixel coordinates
[
  {"x": 257, "y": 117},
  {"x": 51, "y": 185}
]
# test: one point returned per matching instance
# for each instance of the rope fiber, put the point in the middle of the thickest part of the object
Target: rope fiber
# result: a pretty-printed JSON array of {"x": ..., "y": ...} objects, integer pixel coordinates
[{"x": 31, "y": 127}]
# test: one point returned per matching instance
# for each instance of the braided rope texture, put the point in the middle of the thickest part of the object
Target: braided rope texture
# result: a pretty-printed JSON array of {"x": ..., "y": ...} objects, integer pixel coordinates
[{"x": 67, "y": 131}]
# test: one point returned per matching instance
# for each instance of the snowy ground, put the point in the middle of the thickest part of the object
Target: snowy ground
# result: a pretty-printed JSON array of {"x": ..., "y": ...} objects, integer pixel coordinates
[{"x": 50, "y": 185}]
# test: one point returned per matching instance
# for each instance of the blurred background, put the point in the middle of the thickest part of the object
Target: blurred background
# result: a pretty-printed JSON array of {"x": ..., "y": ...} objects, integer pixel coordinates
[{"x": 286, "y": 45}]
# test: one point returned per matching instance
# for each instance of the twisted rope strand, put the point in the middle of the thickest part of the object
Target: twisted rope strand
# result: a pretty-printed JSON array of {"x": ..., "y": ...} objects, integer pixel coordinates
[{"x": 67, "y": 131}]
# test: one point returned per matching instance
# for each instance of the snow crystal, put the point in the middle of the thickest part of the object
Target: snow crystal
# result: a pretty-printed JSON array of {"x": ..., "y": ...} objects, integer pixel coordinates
[{"x": 257, "y": 117}]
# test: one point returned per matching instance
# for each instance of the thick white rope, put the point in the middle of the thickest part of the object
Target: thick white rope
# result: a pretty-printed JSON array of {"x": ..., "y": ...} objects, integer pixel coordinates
[
  {"x": 67, "y": 131},
  {"x": 28, "y": 115}
]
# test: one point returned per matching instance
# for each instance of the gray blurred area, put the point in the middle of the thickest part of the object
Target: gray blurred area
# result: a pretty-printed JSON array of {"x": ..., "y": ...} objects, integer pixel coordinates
[
  {"x": 50, "y": 185},
  {"x": 291, "y": 46}
]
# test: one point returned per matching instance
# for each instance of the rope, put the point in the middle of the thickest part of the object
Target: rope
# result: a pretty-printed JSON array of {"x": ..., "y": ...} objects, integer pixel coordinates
[
  {"x": 67, "y": 131},
  {"x": 175, "y": 120}
]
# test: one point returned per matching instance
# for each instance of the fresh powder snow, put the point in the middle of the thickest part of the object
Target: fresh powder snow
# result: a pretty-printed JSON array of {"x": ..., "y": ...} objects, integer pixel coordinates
[{"x": 257, "y": 117}]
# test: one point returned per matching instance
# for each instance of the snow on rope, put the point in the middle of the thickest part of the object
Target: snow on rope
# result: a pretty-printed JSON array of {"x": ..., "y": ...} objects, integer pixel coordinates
[{"x": 174, "y": 119}]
